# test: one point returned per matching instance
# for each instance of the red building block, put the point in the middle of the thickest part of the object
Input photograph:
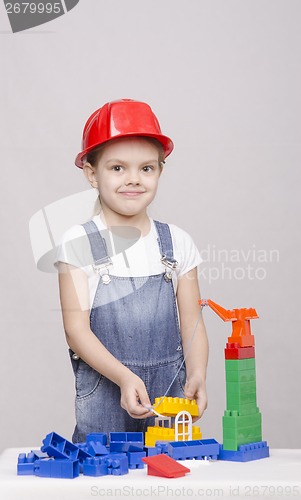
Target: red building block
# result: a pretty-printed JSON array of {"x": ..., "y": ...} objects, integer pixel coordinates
[
  {"x": 234, "y": 351},
  {"x": 164, "y": 466}
]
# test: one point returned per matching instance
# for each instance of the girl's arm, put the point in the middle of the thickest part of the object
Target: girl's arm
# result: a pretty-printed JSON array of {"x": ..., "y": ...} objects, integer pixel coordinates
[
  {"x": 188, "y": 295},
  {"x": 74, "y": 297}
]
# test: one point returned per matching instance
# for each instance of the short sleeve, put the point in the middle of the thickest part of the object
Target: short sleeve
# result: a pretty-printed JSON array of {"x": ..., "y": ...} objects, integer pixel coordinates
[
  {"x": 74, "y": 248},
  {"x": 185, "y": 250}
]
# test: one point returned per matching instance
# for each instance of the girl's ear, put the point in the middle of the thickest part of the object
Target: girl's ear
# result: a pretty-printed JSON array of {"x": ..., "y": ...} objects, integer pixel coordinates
[
  {"x": 161, "y": 167},
  {"x": 89, "y": 172}
]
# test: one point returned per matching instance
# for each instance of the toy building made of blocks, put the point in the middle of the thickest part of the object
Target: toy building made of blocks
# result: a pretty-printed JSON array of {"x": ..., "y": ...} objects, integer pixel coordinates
[
  {"x": 156, "y": 433},
  {"x": 242, "y": 430},
  {"x": 182, "y": 410}
]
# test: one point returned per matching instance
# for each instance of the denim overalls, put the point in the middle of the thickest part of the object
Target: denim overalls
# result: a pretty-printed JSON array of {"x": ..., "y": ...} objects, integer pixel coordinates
[{"x": 136, "y": 319}]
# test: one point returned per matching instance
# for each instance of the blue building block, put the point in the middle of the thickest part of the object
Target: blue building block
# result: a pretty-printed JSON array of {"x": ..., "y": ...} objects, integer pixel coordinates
[
  {"x": 126, "y": 441},
  {"x": 25, "y": 466},
  {"x": 39, "y": 454},
  {"x": 95, "y": 448},
  {"x": 198, "y": 449},
  {"x": 117, "y": 464},
  {"x": 151, "y": 451},
  {"x": 162, "y": 447},
  {"x": 81, "y": 446},
  {"x": 135, "y": 459},
  {"x": 95, "y": 466},
  {"x": 56, "y": 467},
  {"x": 246, "y": 452},
  {"x": 58, "y": 447},
  {"x": 98, "y": 437}
]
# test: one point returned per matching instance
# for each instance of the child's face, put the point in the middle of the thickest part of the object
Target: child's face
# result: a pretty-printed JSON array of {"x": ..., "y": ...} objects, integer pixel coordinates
[{"x": 127, "y": 176}]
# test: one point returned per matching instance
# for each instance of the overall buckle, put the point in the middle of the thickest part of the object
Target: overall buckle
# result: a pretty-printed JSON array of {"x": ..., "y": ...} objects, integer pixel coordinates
[
  {"x": 170, "y": 266},
  {"x": 103, "y": 270}
]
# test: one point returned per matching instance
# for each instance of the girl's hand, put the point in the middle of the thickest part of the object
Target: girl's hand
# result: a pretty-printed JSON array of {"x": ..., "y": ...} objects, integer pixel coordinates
[
  {"x": 134, "y": 397},
  {"x": 196, "y": 389}
]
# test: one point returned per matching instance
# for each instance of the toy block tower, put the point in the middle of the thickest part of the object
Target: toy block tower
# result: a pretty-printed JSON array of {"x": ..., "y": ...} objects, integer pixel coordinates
[{"x": 242, "y": 432}]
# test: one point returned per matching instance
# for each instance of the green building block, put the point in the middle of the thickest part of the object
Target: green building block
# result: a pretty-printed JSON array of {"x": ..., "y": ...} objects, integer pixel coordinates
[
  {"x": 240, "y": 398},
  {"x": 242, "y": 376},
  {"x": 245, "y": 409},
  {"x": 241, "y": 387},
  {"x": 240, "y": 364},
  {"x": 234, "y": 420}
]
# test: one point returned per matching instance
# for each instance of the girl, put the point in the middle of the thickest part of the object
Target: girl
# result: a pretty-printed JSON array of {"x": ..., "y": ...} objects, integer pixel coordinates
[{"x": 128, "y": 284}]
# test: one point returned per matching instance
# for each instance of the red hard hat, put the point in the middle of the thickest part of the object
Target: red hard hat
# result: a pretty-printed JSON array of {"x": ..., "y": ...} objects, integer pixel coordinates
[{"x": 123, "y": 118}]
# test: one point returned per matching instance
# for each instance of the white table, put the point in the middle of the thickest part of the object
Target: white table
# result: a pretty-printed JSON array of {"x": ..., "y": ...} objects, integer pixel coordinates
[{"x": 278, "y": 476}]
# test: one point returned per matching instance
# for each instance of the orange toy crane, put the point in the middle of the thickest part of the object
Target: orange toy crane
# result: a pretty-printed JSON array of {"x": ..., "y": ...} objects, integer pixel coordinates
[{"x": 241, "y": 328}]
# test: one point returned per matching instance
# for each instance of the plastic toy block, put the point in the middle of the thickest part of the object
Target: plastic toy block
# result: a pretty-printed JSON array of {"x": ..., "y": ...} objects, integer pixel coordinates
[
  {"x": 156, "y": 433},
  {"x": 172, "y": 406},
  {"x": 164, "y": 466},
  {"x": 244, "y": 435},
  {"x": 246, "y": 453},
  {"x": 95, "y": 466},
  {"x": 56, "y": 467},
  {"x": 126, "y": 441},
  {"x": 241, "y": 328},
  {"x": 188, "y": 450},
  {"x": 117, "y": 464},
  {"x": 58, "y": 447},
  {"x": 162, "y": 447},
  {"x": 151, "y": 451},
  {"x": 234, "y": 351},
  {"x": 240, "y": 364},
  {"x": 39, "y": 454},
  {"x": 96, "y": 448},
  {"x": 240, "y": 375},
  {"x": 135, "y": 459},
  {"x": 241, "y": 398},
  {"x": 233, "y": 444},
  {"x": 97, "y": 437},
  {"x": 25, "y": 466},
  {"x": 241, "y": 387},
  {"x": 240, "y": 429},
  {"x": 234, "y": 420},
  {"x": 244, "y": 409}
]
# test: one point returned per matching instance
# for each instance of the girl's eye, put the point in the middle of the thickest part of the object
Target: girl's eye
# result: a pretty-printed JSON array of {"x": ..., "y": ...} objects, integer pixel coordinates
[
  {"x": 148, "y": 168},
  {"x": 117, "y": 168}
]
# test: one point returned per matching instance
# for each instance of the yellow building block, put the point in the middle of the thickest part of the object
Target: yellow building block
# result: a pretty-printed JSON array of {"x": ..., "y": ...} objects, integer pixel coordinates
[
  {"x": 170, "y": 407},
  {"x": 157, "y": 433}
]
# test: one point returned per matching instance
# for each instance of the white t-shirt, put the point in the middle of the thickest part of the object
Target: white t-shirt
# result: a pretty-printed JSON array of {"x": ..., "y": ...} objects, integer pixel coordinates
[{"x": 131, "y": 254}]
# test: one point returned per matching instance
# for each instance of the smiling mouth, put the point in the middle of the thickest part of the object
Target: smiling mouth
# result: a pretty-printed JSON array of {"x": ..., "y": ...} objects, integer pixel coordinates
[{"x": 131, "y": 193}]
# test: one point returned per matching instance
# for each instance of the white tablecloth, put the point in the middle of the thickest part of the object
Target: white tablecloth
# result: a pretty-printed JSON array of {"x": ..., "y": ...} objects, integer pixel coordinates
[{"x": 278, "y": 476}]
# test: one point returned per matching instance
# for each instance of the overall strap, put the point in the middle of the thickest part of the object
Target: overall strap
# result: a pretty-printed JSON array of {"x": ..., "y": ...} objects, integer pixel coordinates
[
  {"x": 166, "y": 248},
  {"x": 99, "y": 251}
]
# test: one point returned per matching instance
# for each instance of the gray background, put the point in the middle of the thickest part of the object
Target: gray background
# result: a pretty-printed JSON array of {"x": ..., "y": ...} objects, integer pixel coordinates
[{"x": 224, "y": 79}]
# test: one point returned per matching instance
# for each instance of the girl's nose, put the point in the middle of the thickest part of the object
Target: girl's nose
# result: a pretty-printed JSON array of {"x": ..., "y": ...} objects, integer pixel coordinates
[{"x": 133, "y": 177}]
